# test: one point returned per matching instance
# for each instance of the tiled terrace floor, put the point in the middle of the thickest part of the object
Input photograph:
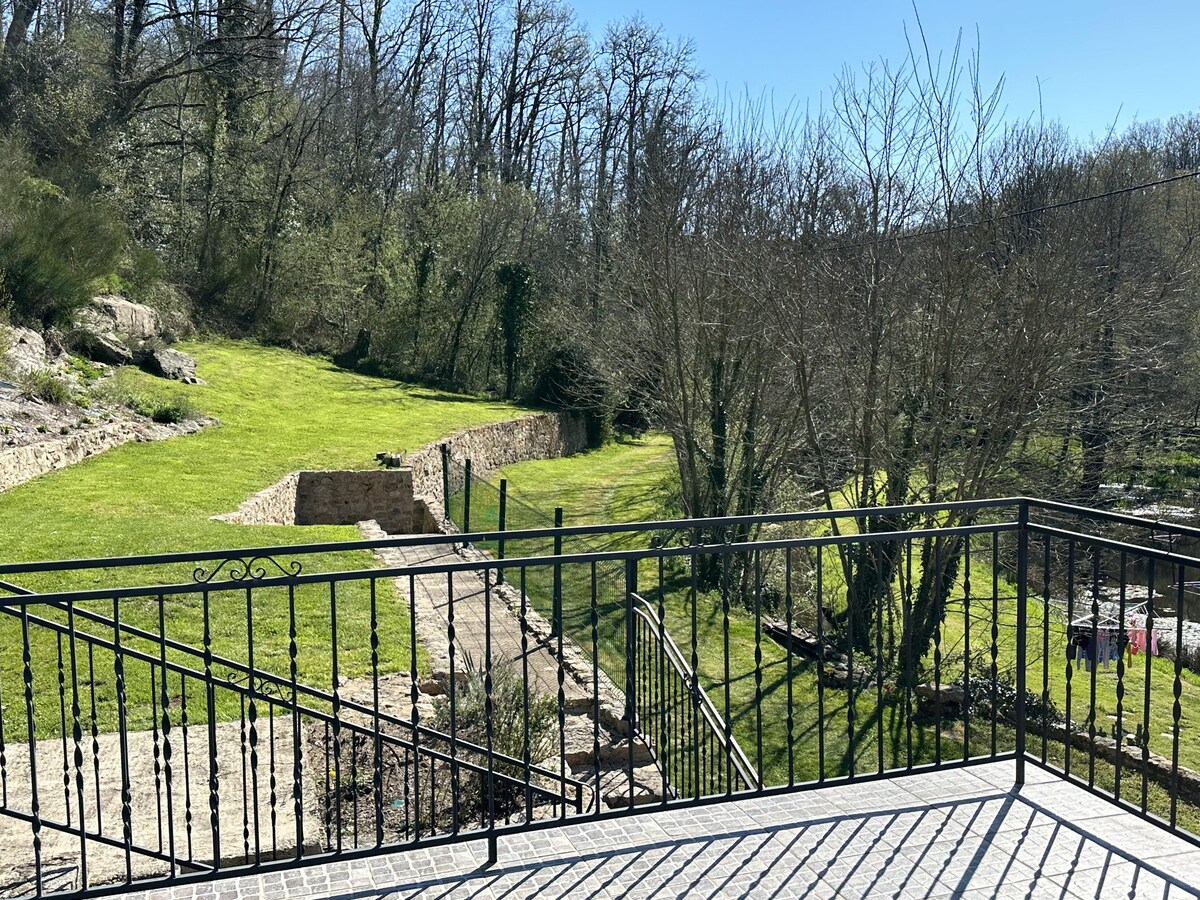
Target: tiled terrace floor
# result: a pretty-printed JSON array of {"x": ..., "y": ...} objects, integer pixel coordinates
[{"x": 953, "y": 834}]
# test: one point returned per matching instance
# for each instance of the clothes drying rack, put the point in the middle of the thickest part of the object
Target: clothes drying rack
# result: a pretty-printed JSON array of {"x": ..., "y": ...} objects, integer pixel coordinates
[{"x": 1109, "y": 615}]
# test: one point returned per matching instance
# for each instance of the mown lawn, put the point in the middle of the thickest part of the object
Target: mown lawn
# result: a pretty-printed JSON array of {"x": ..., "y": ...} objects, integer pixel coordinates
[
  {"x": 631, "y": 479},
  {"x": 631, "y": 482},
  {"x": 279, "y": 412}
]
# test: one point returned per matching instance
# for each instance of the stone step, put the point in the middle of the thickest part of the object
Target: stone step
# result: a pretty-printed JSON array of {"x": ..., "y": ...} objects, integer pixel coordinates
[
  {"x": 580, "y": 739},
  {"x": 614, "y": 787}
]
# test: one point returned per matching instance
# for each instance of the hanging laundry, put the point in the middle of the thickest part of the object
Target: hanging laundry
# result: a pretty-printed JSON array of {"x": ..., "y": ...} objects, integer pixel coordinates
[
  {"x": 1082, "y": 650},
  {"x": 1142, "y": 639}
]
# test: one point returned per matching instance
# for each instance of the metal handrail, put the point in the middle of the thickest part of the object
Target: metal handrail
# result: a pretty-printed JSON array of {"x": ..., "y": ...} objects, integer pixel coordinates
[
  {"x": 487, "y": 565},
  {"x": 114, "y": 562},
  {"x": 678, "y": 719},
  {"x": 678, "y": 525},
  {"x": 269, "y": 678},
  {"x": 327, "y": 718},
  {"x": 712, "y": 717}
]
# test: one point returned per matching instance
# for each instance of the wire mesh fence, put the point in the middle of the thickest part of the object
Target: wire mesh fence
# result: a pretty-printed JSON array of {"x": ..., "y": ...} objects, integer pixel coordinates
[{"x": 477, "y": 505}]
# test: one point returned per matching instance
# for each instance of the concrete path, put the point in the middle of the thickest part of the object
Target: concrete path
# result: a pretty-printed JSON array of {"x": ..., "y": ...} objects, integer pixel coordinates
[{"x": 432, "y": 600}]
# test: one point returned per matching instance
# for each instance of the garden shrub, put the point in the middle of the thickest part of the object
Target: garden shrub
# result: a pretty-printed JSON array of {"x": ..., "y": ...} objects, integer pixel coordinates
[
  {"x": 47, "y": 387},
  {"x": 508, "y": 736},
  {"x": 121, "y": 389},
  {"x": 170, "y": 410},
  {"x": 52, "y": 247}
]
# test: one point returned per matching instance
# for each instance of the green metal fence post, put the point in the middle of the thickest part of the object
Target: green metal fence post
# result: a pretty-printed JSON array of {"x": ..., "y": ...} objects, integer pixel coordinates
[
  {"x": 503, "y": 519},
  {"x": 466, "y": 526},
  {"x": 557, "y": 613}
]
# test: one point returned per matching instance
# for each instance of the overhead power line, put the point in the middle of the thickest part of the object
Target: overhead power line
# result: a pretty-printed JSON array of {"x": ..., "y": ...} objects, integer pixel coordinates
[{"x": 1050, "y": 207}]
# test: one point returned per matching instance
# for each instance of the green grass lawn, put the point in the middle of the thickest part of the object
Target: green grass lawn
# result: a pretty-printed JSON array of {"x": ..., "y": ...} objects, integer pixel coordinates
[
  {"x": 626, "y": 483},
  {"x": 279, "y": 412},
  {"x": 622, "y": 482},
  {"x": 631, "y": 482}
]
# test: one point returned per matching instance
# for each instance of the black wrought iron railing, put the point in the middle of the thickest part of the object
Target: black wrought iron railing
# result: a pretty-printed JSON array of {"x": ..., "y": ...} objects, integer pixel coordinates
[
  {"x": 694, "y": 748},
  {"x": 182, "y": 717}
]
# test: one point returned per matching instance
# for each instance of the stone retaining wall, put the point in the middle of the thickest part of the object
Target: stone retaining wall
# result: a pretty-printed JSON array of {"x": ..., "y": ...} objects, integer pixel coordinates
[
  {"x": 490, "y": 447},
  {"x": 274, "y": 505},
  {"x": 385, "y": 495},
  {"x": 408, "y": 500},
  {"x": 1157, "y": 768},
  {"x": 21, "y": 464}
]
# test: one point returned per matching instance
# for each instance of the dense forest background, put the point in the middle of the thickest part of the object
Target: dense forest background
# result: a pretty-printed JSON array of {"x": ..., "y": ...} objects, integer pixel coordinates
[{"x": 903, "y": 294}]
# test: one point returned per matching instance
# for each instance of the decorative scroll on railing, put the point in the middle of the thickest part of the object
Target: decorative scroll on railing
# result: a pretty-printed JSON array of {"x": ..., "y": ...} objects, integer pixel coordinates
[{"x": 252, "y": 568}]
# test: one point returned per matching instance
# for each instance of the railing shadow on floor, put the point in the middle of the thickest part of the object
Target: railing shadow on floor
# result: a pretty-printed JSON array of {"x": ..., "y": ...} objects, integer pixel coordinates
[{"x": 941, "y": 847}]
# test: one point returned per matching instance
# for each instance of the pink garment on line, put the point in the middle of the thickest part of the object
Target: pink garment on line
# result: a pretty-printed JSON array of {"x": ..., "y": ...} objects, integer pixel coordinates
[{"x": 1138, "y": 639}]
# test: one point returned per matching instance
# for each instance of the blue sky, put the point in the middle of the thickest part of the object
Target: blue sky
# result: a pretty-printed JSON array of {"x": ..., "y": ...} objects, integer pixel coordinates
[{"x": 1100, "y": 61}]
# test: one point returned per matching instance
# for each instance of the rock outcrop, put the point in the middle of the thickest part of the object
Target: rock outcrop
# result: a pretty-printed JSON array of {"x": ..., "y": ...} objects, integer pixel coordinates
[
  {"x": 118, "y": 332},
  {"x": 23, "y": 350},
  {"x": 173, "y": 364},
  {"x": 106, "y": 348},
  {"x": 135, "y": 321}
]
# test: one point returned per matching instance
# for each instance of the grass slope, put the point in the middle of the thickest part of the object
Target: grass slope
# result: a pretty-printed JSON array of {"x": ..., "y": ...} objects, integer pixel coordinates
[
  {"x": 624, "y": 483},
  {"x": 279, "y": 412},
  {"x": 628, "y": 482}
]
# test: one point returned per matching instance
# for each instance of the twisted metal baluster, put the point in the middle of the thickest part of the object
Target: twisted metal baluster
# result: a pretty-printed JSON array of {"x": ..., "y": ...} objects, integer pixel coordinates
[
  {"x": 95, "y": 735},
  {"x": 789, "y": 616},
  {"x": 595, "y": 685},
  {"x": 187, "y": 768},
  {"x": 210, "y": 697},
  {"x": 62, "y": 725},
  {"x": 297, "y": 756},
  {"x": 1118, "y": 728},
  {"x": 77, "y": 736},
  {"x": 1177, "y": 690},
  {"x": 166, "y": 729},
  {"x": 253, "y": 719},
  {"x": 939, "y": 611},
  {"x": 337, "y": 712},
  {"x": 157, "y": 751},
  {"x": 967, "y": 647},
  {"x": 377, "y": 758},
  {"x": 414, "y": 696},
  {"x": 272, "y": 780},
  {"x": 35, "y": 806},
  {"x": 123, "y": 732},
  {"x": 245, "y": 778},
  {"x": 454, "y": 806},
  {"x": 994, "y": 648}
]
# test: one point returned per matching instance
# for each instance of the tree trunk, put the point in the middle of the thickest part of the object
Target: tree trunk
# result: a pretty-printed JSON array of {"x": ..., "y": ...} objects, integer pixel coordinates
[{"x": 18, "y": 29}]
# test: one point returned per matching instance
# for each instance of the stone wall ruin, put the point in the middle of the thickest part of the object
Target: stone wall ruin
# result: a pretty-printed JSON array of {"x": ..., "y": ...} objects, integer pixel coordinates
[{"x": 408, "y": 499}]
